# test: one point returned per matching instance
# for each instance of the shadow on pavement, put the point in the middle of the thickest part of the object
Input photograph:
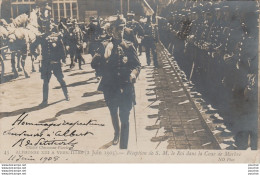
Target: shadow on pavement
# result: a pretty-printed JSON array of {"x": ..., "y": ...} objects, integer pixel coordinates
[
  {"x": 83, "y": 107},
  {"x": 26, "y": 110},
  {"x": 80, "y": 83},
  {"x": 10, "y": 78},
  {"x": 89, "y": 94},
  {"x": 82, "y": 73}
]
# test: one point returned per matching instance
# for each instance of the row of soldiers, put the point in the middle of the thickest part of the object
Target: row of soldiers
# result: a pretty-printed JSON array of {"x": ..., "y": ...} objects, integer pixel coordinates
[{"x": 216, "y": 44}]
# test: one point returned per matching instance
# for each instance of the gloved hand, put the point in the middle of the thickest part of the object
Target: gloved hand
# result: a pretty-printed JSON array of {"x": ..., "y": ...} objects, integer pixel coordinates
[
  {"x": 132, "y": 78},
  {"x": 108, "y": 50}
]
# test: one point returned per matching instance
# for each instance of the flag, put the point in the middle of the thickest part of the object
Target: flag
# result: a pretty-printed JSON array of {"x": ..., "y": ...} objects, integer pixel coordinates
[{"x": 148, "y": 11}]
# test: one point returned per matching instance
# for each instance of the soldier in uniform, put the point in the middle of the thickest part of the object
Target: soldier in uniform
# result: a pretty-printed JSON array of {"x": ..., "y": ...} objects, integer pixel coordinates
[
  {"x": 138, "y": 30},
  {"x": 76, "y": 45},
  {"x": 93, "y": 32},
  {"x": 120, "y": 67},
  {"x": 45, "y": 18},
  {"x": 150, "y": 40},
  {"x": 52, "y": 53}
]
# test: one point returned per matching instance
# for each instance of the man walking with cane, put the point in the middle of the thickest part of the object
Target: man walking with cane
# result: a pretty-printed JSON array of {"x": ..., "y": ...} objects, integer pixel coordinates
[{"x": 118, "y": 60}]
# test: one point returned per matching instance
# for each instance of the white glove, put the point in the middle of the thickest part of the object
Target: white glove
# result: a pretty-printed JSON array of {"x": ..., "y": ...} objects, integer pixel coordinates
[{"x": 108, "y": 50}]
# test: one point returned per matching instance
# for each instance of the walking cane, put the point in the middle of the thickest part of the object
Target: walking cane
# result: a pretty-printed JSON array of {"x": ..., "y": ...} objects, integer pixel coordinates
[
  {"x": 133, "y": 103},
  {"x": 135, "y": 124}
]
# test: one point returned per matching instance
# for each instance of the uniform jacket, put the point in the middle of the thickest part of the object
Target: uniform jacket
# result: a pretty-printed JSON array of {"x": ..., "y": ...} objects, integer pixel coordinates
[
  {"x": 52, "y": 48},
  {"x": 136, "y": 26},
  {"x": 118, "y": 66},
  {"x": 129, "y": 35},
  {"x": 93, "y": 32},
  {"x": 76, "y": 37},
  {"x": 150, "y": 34}
]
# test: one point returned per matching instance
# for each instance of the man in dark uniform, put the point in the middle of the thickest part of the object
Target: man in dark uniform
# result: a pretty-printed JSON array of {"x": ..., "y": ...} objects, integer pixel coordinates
[
  {"x": 137, "y": 29},
  {"x": 149, "y": 41},
  {"x": 120, "y": 67},
  {"x": 93, "y": 32},
  {"x": 44, "y": 18},
  {"x": 76, "y": 45},
  {"x": 52, "y": 53}
]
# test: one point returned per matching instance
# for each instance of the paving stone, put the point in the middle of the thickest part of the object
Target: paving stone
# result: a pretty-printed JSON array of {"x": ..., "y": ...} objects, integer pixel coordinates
[
  {"x": 177, "y": 116},
  {"x": 178, "y": 137},
  {"x": 196, "y": 147},
  {"x": 182, "y": 142},
  {"x": 171, "y": 146},
  {"x": 182, "y": 146}
]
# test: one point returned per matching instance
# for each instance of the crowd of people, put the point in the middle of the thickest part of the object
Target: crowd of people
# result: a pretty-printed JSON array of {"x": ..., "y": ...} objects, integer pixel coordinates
[
  {"x": 113, "y": 43},
  {"x": 19, "y": 36}
]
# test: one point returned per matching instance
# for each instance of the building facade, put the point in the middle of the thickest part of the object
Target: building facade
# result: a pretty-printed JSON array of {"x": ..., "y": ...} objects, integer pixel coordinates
[{"x": 77, "y": 9}]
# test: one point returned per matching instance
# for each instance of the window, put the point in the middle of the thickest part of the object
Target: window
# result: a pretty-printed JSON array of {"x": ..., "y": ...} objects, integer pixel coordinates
[
  {"x": 19, "y": 7},
  {"x": 74, "y": 10},
  {"x": 62, "y": 14},
  {"x": 22, "y": 1},
  {"x": 65, "y": 9},
  {"x": 55, "y": 11},
  {"x": 68, "y": 7}
]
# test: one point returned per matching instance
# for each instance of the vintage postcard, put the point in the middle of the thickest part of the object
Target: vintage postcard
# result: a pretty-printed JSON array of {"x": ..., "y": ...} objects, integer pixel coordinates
[{"x": 129, "y": 81}]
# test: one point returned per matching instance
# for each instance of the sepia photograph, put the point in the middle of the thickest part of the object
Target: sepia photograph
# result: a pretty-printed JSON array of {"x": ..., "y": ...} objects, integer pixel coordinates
[{"x": 129, "y": 81}]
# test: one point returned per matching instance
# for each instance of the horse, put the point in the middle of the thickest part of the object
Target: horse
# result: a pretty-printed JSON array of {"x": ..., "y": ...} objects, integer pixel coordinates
[
  {"x": 3, "y": 47},
  {"x": 33, "y": 26},
  {"x": 3, "y": 40},
  {"x": 2, "y": 68},
  {"x": 23, "y": 31}
]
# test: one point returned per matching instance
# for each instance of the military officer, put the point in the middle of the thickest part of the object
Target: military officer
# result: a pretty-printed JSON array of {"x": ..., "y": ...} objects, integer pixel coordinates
[
  {"x": 138, "y": 31},
  {"x": 150, "y": 40},
  {"x": 45, "y": 18},
  {"x": 120, "y": 67},
  {"x": 52, "y": 53},
  {"x": 93, "y": 32},
  {"x": 76, "y": 45}
]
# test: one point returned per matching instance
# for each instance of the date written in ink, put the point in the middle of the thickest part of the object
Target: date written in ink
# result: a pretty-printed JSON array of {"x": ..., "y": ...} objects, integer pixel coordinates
[
  {"x": 18, "y": 158},
  {"x": 49, "y": 159}
]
